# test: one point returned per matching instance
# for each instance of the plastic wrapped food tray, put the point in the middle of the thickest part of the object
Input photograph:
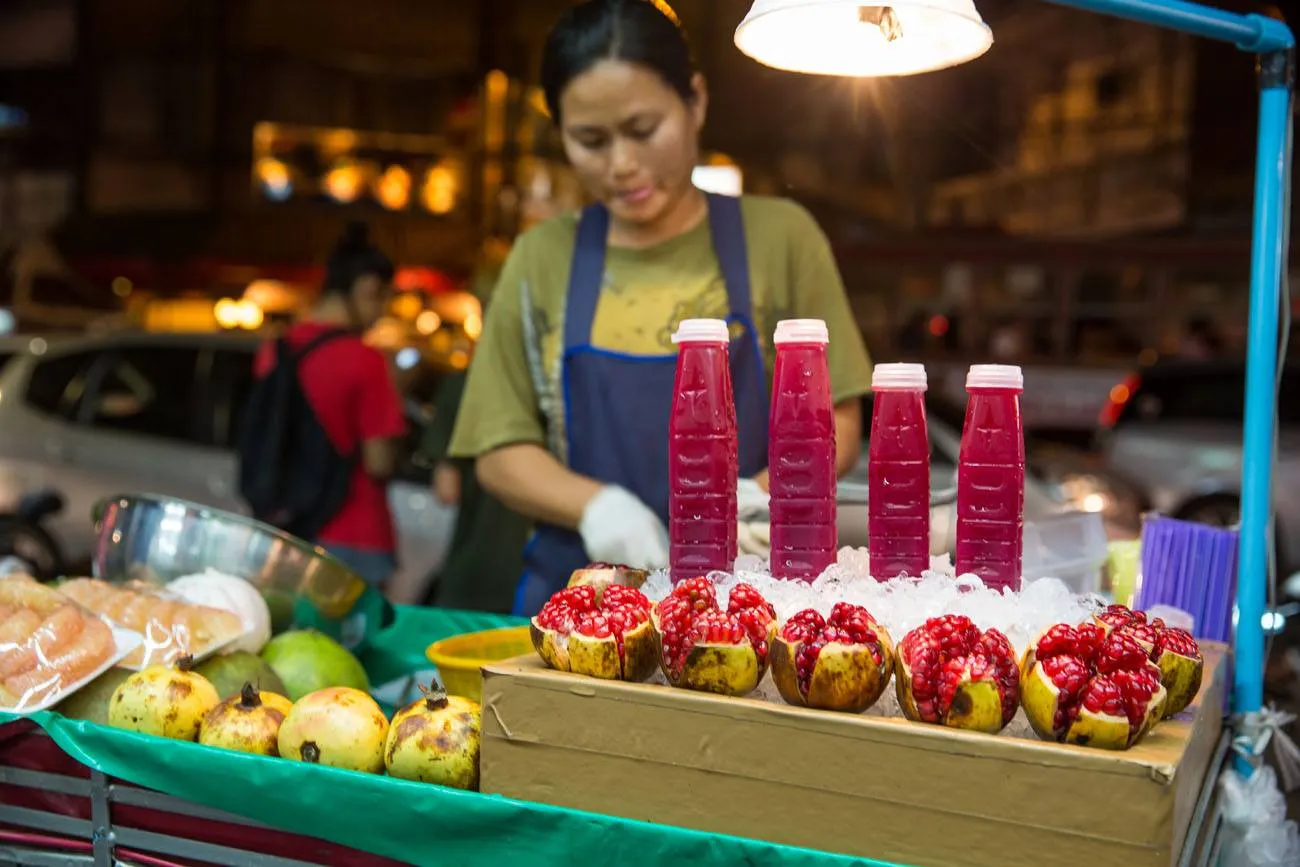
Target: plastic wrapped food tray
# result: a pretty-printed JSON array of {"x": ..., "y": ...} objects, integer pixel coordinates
[
  {"x": 171, "y": 627},
  {"x": 50, "y": 646}
]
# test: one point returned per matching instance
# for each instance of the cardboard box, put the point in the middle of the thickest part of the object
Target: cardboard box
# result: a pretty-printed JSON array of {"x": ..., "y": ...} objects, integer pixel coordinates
[{"x": 881, "y": 788}]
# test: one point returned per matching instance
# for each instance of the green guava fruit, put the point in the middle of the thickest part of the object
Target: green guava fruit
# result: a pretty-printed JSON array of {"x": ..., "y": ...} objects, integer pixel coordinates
[{"x": 307, "y": 661}]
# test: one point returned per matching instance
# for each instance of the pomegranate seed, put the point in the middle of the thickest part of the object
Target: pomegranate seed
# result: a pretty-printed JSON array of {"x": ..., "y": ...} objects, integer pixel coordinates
[
  {"x": 1181, "y": 642},
  {"x": 1146, "y": 634},
  {"x": 803, "y": 626},
  {"x": 745, "y": 596},
  {"x": 1103, "y": 696},
  {"x": 1121, "y": 652}
]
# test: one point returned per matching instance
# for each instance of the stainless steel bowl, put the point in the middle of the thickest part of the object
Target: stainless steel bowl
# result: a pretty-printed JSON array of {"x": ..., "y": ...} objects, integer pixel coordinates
[{"x": 158, "y": 539}]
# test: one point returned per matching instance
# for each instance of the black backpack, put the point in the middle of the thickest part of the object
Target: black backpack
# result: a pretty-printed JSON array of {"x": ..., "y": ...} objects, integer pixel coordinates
[{"x": 290, "y": 473}]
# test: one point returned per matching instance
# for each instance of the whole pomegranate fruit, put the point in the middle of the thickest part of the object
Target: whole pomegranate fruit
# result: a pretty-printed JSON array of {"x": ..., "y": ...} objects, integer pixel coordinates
[
  {"x": 704, "y": 648},
  {"x": 1083, "y": 686},
  {"x": 340, "y": 727},
  {"x": 605, "y": 634},
  {"x": 602, "y": 575},
  {"x": 246, "y": 723},
  {"x": 838, "y": 663},
  {"x": 161, "y": 700},
  {"x": 950, "y": 673},
  {"x": 1174, "y": 650},
  {"x": 436, "y": 740}
]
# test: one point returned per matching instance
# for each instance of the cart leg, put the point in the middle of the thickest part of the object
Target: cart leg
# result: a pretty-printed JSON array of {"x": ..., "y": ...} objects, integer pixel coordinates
[
  {"x": 102, "y": 839},
  {"x": 1268, "y": 257}
]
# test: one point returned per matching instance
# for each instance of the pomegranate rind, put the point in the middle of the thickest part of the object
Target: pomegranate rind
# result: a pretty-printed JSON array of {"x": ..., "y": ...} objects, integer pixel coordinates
[
  {"x": 976, "y": 704},
  {"x": 845, "y": 677},
  {"x": 602, "y": 575},
  {"x": 724, "y": 669},
  {"x": 1180, "y": 674},
  {"x": 1040, "y": 700},
  {"x": 977, "y": 701},
  {"x": 597, "y": 657},
  {"x": 550, "y": 646},
  {"x": 1181, "y": 678}
]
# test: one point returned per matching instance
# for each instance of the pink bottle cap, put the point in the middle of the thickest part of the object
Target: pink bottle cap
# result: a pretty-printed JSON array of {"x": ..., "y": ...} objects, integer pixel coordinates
[
  {"x": 702, "y": 331},
  {"x": 995, "y": 376},
  {"x": 801, "y": 331},
  {"x": 900, "y": 376}
]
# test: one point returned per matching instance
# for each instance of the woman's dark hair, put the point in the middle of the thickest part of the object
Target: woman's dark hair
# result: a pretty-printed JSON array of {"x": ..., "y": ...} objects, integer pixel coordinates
[
  {"x": 354, "y": 257},
  {"x": 644, "y": 32}
]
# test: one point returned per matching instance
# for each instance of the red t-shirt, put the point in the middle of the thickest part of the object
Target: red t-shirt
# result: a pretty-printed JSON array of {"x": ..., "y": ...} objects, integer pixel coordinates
[{"x": 348, "y": 385}]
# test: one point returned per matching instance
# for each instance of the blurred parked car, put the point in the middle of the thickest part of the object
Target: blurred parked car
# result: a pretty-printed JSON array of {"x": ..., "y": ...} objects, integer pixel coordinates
[
  {"x": 1174, "y": 430},
  {"x": 83, "y": 418},
  {"x": 1066, "y": 489}
]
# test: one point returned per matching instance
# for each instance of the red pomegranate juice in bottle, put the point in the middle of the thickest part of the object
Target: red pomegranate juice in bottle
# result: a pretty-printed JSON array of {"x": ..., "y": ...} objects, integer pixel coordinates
[
  {"x": 801, "y": 453},
  {"x": 991, "y": 477},
  {"x": 702, "y": 453},
  {"x": 898, "y": 492}
]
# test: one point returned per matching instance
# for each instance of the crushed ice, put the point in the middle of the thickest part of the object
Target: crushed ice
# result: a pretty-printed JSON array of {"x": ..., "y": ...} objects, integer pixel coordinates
[{"x": 903, "y": 604}]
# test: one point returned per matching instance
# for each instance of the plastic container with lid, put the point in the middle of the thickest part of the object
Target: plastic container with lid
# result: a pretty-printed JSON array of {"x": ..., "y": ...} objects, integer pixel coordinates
[
  {"x": 702, "y": 453},
  {"x": 801, "y": 452},
  {"x": 898, "y": 498},
  {"x": 991, "y": 477}
]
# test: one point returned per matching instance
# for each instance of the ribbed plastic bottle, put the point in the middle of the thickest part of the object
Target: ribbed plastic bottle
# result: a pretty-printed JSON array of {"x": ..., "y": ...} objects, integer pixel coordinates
[
  {"x": 898, "y": 492},
  {"x": 702, "y": 453},
  {"x": 991, "y": 477},
  {"x": 801, "y": 452}
]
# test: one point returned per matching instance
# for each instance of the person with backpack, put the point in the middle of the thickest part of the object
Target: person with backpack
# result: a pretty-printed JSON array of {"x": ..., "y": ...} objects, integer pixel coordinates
[{"x": 318, "y": 440}]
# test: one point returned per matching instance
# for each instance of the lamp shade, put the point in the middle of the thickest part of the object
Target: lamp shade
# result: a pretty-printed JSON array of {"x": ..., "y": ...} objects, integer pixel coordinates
[{"x": 851, "y": 38}]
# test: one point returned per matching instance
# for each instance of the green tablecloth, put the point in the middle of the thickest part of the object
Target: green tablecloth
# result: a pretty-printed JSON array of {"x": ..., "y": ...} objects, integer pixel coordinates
[{"x": 421, "y": 824}]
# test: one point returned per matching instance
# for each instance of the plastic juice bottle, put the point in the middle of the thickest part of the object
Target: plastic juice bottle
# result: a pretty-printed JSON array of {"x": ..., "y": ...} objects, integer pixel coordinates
[
  {"x": 702, "y": 453},
  {"x": 898, "y": 509},
  {"x": 991, "y": 477},
  {"x": 801, "y": 453}
]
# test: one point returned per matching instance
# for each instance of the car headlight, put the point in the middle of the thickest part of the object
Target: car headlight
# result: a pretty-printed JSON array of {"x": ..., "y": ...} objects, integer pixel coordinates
[{"x": 1091, "y": 493}]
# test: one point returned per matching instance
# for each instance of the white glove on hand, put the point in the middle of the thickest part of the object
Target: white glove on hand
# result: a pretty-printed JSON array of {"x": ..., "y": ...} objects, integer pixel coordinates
[
  {"x": 751, "y": 501},
  {"x": 754, "y": 537},
  {"x": 618, "y": 528}
]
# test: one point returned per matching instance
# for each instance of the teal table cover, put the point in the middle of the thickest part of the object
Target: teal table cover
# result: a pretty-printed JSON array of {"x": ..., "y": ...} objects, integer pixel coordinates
[{"x": 413, "y": 822}]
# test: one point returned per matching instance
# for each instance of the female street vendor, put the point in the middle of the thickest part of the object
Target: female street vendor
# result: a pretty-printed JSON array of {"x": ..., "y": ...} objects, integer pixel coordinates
[{"x": 567, "y": 404}]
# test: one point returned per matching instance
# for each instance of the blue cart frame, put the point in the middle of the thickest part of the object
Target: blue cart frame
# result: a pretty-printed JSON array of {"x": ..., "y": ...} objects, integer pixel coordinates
[{"x": 1274, "y": 43}]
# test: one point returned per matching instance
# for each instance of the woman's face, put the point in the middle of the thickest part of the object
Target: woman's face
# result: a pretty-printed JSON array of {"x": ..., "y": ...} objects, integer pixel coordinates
[
  {"x": 370, "y": 296},
  {"x": 632, "y": 139}
]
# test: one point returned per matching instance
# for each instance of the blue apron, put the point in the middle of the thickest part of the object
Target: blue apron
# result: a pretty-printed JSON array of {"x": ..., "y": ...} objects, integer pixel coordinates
[{"x": 617, "y": 406}]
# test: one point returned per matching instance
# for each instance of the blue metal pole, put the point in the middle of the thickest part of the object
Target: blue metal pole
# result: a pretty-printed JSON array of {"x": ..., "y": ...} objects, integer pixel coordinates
[
  {"x": 1275, "y": 44},
  {"x": 1272, "y": 162},
  {"x": 1253, "y": 33}
]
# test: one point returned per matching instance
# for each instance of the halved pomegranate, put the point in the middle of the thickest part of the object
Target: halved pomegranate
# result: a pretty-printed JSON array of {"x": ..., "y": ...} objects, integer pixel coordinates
[
  {"x": 602, "y": 575},
  {"x": 1174, "y": 650},
  {"x": 702, "y": 647},
  {"x": 1083, "y": 686},
  {"x": 950, "y": 673},
  {"x": 600, "y": 634},
  {"x": 838, "y": 663}
]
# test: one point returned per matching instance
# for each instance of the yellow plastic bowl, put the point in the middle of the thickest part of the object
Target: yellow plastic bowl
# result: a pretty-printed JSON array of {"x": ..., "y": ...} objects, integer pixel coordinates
[{"x": 460, "y": 657}]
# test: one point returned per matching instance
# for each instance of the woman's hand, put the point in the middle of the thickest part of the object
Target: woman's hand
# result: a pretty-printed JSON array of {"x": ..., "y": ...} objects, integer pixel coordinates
[
  {"x": 447, "y": 484},
  {"x": 616, "y": 527}
]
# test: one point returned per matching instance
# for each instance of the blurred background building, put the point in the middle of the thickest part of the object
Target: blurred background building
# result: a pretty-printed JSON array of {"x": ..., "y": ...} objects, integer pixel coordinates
[{"x": 152, "y": 150}]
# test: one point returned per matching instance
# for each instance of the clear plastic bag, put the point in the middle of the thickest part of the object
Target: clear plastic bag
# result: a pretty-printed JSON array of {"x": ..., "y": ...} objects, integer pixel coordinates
[
  {"x": 50, "y": 646},
  {"x": 172, "y": 628},
  {"x": 1258, "y": 833}
]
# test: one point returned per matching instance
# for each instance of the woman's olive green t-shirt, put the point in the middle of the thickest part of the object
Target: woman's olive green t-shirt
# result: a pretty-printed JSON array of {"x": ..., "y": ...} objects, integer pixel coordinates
[{"x": 514, "y": 390}]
